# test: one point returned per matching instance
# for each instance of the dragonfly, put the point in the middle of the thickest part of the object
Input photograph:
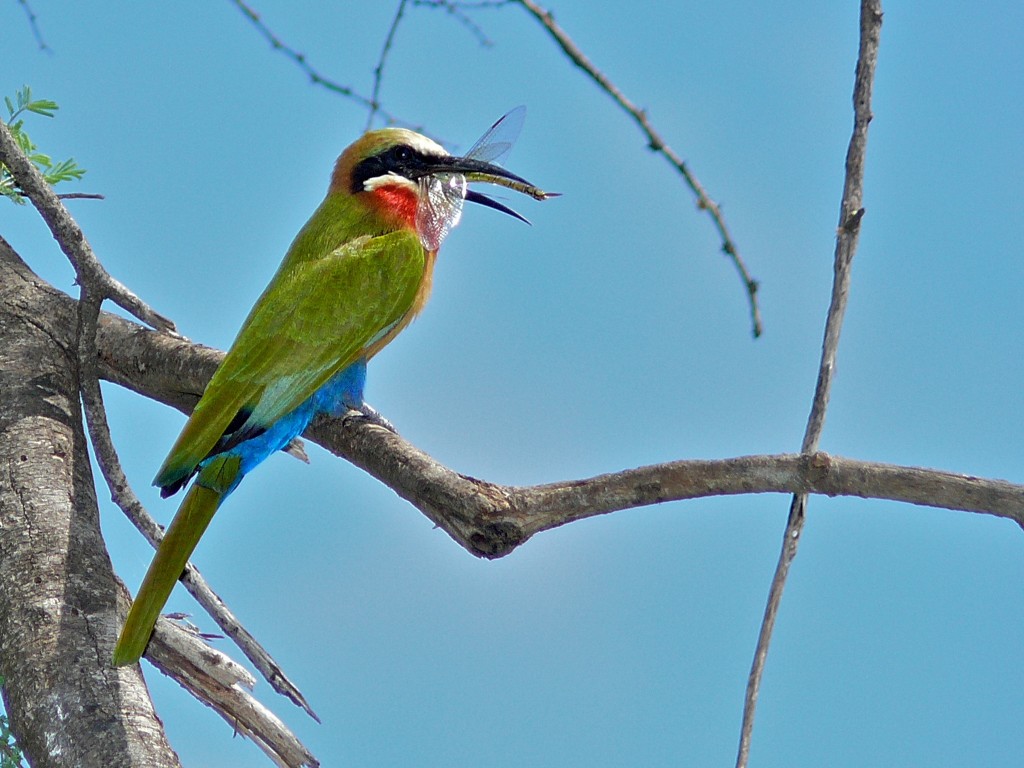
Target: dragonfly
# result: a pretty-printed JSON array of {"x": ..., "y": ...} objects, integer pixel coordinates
[{"x": 444, "y": 194}]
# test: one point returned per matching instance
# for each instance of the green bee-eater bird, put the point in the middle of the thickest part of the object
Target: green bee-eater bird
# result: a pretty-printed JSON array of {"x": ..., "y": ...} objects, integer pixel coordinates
[{"x": 357, "y": 273}]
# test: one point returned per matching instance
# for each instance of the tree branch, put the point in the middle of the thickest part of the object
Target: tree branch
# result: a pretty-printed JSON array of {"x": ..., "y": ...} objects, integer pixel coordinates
[
  {"x": 378, "y": 72},
  {"x": 60, "y": 604},
  {"x": 33, "y": 22},
  {"x": 490, "y": 520},
  {"x": 655, "y": 141},
  {"x": 851, "y": 213},
  {"x": 657, "y": 144},
  {"x": 458, "y": 11}
]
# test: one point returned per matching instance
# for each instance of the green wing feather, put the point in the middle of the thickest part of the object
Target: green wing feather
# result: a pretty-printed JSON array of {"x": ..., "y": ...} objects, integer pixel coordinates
[{"x": 315, "y": 318}]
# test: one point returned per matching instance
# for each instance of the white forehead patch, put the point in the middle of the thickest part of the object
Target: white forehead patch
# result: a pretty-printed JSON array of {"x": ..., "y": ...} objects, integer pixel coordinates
[{"x": 389, "y": 179}]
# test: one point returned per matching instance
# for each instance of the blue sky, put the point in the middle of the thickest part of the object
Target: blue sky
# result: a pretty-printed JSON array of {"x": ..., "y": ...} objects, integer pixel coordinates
[{"x": 609, "y": 334}]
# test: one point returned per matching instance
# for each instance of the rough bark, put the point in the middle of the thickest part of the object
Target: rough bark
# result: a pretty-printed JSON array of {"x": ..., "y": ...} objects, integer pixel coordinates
[{"x": 60, "y": 603}]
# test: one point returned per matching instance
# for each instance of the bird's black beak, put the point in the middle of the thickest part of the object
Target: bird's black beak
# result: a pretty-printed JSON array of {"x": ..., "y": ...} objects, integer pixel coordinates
[
  {"x": 488, "y": 173},
  {"x": 481, "y": 199}
]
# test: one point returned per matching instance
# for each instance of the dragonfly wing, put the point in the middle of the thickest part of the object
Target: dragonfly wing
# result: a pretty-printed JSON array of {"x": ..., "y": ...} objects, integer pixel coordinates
[{"x": 499, "y": 138}]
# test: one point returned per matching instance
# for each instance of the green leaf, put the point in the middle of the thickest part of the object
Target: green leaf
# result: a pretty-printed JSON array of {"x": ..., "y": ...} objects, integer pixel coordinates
[
  {"x": 14, "y": 197},
  {"x": 11, "y": 755},
  {"x": 41, "y": 160},
  {"x": 53, "y": 172},
  {"x": 24, "y": 142},
  {"x": 43, "y": 107}
]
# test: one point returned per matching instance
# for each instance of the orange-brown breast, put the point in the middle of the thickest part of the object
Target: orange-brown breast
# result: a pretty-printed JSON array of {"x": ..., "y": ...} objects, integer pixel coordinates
[{"x": 419, "y": 302}]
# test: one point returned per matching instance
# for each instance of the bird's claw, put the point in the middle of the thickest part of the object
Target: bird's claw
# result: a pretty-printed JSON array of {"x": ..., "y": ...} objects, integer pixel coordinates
[{"x": 370, "y": 414}]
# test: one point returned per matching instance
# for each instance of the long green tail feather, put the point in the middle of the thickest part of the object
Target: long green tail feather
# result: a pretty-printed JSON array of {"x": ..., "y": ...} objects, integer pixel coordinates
[{"x": 189, "y": 524}]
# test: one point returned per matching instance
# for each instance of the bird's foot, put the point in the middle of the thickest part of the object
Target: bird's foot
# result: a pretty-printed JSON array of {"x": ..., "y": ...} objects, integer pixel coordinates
[{"x": 370, "y": 414}]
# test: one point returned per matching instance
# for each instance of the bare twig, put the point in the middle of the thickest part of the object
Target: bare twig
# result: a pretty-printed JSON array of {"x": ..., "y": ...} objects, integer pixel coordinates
[
  {"x": 314, "y": 75},
  {"x": 68, "y": 235},
  {"x": 378, "y": 71},
  {"x": 256, "y": 653},
  {"x": 850, "y": 214},
  {"x": 454, "y": 6},
  {"x": 33, "y": 22},
  {"x": 458, "y": 11},
  {"x": 657, "y": 144},
  {"x": 80, "y": 196},
  {"x": 491, "y": 520}
]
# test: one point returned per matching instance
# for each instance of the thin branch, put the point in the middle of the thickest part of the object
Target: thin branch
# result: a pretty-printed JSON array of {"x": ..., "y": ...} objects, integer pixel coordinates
[
  {"x": 314, "y": 75},
  {"x": 851, "y": 213},
  {"x": 378, "y": 71},
  {"x": 458, "y": 11},
  {"x": 68, "y": 234},
  {"x": 33, "y": 22},
  {"x": 657, "y": 144},
  {"x": 549, "y": 506},
  {"x": 454, "y": 6},
  {"x": 491, "y": 520},
  {"x": 253, "y": 650}
]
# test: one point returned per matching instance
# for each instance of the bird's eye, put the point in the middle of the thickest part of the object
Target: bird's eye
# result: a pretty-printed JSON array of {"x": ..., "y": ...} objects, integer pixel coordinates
[{"x": 402, "y": 154}]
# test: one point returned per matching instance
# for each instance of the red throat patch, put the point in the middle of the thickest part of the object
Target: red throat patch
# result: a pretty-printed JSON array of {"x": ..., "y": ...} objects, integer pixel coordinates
[{"x": 396, "y": 201}]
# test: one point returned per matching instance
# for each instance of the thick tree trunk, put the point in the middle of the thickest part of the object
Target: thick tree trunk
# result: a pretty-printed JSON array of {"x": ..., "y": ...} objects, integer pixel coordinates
[{"x": 59, "y": 598}]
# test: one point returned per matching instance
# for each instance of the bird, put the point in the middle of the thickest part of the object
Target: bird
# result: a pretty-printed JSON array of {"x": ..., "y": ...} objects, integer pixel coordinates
[{"x": 358, "y": 272}]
